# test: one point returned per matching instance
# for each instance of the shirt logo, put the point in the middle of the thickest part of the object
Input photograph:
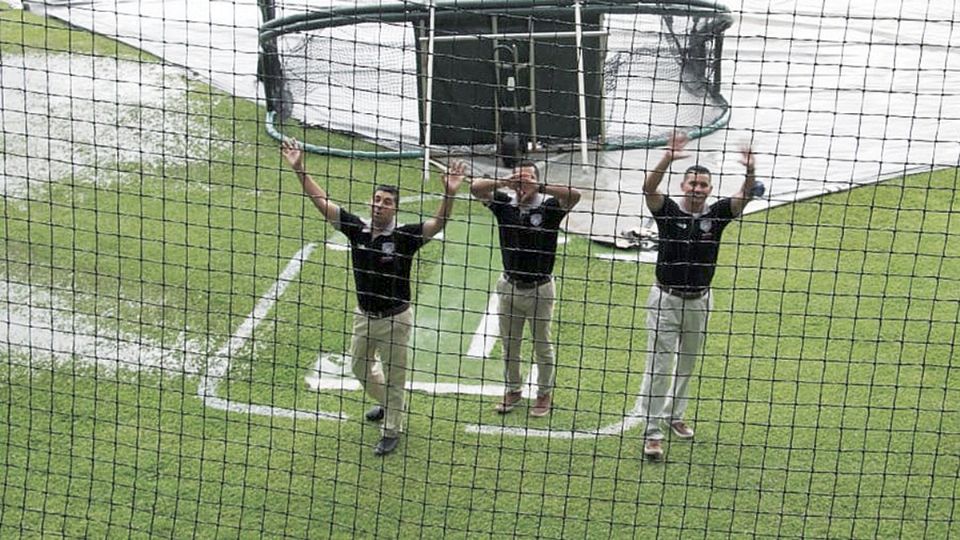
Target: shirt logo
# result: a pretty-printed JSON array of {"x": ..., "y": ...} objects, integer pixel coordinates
[
  {"x": 705, "y": 225},
  {"x": 536, "y": 219},
  {"x": 389, "y": 248}
]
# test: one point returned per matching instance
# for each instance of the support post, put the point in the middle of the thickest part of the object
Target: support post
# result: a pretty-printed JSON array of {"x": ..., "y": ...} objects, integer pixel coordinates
[
  {"x": 428, "y": 105},
  {"x": 581, "y": 86}
]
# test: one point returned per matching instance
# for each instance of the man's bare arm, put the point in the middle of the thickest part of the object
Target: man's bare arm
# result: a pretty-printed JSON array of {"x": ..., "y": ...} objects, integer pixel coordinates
[
  {"x": 451, "y": 183},
  {"x": 483, "y": 188},
  {"x": 294, "y": 156},
  {"x": 651, "y": 184},
  {"x": 567, "y": 196},
  {"x": 740, "y": 199}
]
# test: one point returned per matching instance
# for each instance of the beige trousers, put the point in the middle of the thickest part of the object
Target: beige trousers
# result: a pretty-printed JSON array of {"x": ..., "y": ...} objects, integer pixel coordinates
[
  {"x": 676, "y": 333},
  {"x": 384, "y": 379},
  {"x": 517, "y": 306}
]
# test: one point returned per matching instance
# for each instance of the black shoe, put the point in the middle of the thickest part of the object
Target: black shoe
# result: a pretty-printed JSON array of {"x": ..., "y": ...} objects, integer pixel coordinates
[
  {"x": 375, "y": 414},
  {"x": 386, "y": 445}
]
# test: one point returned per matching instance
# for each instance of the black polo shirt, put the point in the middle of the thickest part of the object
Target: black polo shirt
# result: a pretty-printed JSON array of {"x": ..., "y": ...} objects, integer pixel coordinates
[
  {"x": 381, "y": 265},
  {"x": 528, "y": 236},
  {"x": 689, "y": 245}
]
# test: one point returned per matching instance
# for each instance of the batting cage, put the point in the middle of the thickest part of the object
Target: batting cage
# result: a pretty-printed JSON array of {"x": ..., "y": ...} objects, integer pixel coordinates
[{"x": 475, "y": 268}]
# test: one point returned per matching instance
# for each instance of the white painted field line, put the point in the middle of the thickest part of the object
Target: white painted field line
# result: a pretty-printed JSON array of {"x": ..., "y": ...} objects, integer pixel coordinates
[
  {"x": 637, "y": 256},
  {"x": 487, "y": 333},
  {"x": 481, "y": 389},
  {"x": 266, "y": 410},
  {"x": 483, "y": 341},
  {"x": 630, "y": 421},
  {"x": 220, "y": 365},
  {"x": 220, "y": 362},
  {"x": 331, "y": 372},
  {"x": 530, "y": 386}
]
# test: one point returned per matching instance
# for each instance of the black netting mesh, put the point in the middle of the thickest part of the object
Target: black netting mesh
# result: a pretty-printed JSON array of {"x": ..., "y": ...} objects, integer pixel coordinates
[
  {"x": 187, "y": 309},
  {"x": 647, "y": 74}
]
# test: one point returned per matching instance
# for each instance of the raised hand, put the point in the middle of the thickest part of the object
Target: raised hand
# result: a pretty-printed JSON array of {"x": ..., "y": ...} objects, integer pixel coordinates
[
  {"x": 292, "y": 153},
  {"x": 514, "y": 182},
  {"x": 675, "y": 145},
  {"x": 454, "y": 177},
  {"x": 747, "y": 158}
]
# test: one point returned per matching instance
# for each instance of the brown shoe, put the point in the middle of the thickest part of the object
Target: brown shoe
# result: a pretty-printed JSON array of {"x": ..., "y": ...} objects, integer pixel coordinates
[
  {"x": 681, "y": 430},
  {"x": 510, "y": 400},
  {"x": 653, "y": 449},
  {"x": 541, "y": 407}
]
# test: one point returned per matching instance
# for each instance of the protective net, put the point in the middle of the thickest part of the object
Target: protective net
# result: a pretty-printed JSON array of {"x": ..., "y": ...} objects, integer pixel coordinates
[
  {"x": 644, "y": 71},
  {"x": 187, "y": 312}
]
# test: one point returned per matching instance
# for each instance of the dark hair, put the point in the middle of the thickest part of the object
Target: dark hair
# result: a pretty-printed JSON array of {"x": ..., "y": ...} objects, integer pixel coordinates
[
  {"x": 510, "y": 150},
  {"x": 524, "y": 163},
  {"x": 389, "y": 189},
  {"x": 697, "y": 169}
]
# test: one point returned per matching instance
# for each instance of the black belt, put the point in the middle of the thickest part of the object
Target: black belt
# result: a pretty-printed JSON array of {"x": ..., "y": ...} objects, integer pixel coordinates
[
  {"x": 389, "y": 312},
  {"x": 522, "y": 284},
  {"x": 686, "y": 294}
]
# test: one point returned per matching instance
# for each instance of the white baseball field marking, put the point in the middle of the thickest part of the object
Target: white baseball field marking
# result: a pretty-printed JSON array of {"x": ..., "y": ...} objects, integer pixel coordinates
[
  {"x": 220, "y": 362},
  {"x": 632, "y": 420},
  {"x": 331, "y": 372},
  {"x": 487, "y": 333}
]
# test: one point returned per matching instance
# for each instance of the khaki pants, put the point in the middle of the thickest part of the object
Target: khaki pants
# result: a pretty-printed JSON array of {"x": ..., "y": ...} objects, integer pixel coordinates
[
  {"x": 517, "y": 306},
  {"x": 385, "y": 379},
  {"x": 676, "y": 333}
]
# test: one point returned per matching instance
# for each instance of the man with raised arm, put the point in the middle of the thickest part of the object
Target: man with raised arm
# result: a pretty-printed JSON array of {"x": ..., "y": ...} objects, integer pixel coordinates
[
  {"x": 680, "y": 300},
  {"x": 382, "y": 253},
  {"x": 529, "y": 219}
]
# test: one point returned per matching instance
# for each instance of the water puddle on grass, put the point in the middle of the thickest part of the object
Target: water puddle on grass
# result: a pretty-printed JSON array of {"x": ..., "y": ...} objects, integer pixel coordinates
[
  {"x": 94, "y": 121},
  {"x": 82, "y": 118},
  {"x": 40, "y": 328}
]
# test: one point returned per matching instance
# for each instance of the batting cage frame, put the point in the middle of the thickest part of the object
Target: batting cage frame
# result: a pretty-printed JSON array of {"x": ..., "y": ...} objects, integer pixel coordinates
[{"x": 483, "y": 57}]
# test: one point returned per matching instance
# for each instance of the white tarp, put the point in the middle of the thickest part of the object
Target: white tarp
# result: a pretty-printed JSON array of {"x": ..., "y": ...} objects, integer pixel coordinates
[{"x": 832, "y": 94}]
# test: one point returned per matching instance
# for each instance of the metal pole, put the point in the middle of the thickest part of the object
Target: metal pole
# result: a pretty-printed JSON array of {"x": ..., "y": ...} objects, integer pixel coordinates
[
  {"x": 428, "y": 106},
  {"x": 497, "y": 127},
  {"x": 532, "y": 60},
  {"x": 517, "y": 35},
  {"x": 581, "y": 88}
]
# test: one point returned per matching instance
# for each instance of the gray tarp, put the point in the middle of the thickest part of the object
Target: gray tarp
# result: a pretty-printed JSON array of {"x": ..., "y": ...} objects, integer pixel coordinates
[{"x": 833, "y": 94}]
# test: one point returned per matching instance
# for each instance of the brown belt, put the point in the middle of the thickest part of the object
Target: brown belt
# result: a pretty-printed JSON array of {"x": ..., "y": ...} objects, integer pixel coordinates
[
  {"x": 686, "y": 294},
  {"x": 521, "y": 284},
  {"x": 389, "y": 312}
]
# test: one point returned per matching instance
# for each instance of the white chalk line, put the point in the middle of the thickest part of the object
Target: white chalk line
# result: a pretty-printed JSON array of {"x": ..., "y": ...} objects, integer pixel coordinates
[
  {"x": 220, "y": 362},
  {"x": 632, "y": 420},
  {"x": 331, "y": 371},
  {"x": 638, "y": 256},
  {"x": 480, "y": 347},
  {"x": 329, "y": 374},
  {"x": 487, "y": 333}
]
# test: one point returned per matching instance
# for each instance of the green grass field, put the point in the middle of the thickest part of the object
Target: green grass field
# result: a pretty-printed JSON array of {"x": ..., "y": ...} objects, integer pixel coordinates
[{"x": 826, "y": 405}]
